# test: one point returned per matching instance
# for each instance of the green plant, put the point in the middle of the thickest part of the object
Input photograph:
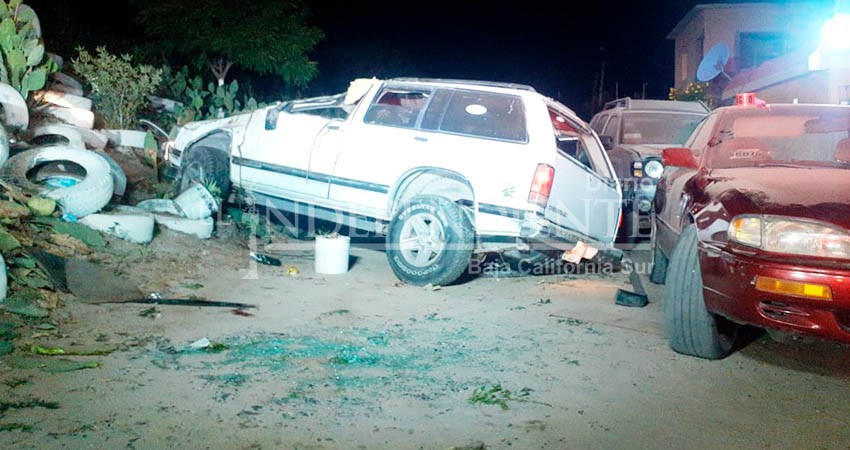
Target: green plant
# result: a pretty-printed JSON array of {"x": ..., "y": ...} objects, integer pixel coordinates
[
  {"x": 199, "y": 103},
  {"x": 24, "y": 63},
  {"x": 120, "y": 88},
  {"x": 497, "y": 395},
  {"x": 694, "y": 91}
]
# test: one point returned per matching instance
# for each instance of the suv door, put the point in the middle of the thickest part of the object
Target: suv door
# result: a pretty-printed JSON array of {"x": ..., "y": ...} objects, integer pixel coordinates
[
  {"x": 378, "y": 147},
  {"x": 585, "y": 195}
]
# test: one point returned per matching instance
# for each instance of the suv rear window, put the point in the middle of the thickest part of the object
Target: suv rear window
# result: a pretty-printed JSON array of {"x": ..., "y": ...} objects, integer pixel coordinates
[{"x": 486, "y": 115}]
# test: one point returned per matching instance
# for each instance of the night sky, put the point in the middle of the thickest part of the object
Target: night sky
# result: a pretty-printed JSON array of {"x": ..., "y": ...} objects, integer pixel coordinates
[{"x": 557, "y": 48}]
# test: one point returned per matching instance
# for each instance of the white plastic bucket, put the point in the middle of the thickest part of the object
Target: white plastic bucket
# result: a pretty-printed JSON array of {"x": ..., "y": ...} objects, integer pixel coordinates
[
  {"x": 196, "y": 202},
  {"x": 2, "y": 279},
  {"x": 332, "y": 254}
]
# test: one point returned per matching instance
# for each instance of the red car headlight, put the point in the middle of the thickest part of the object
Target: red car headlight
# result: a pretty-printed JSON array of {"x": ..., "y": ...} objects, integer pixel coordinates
[{"x": 789, "y": 235}]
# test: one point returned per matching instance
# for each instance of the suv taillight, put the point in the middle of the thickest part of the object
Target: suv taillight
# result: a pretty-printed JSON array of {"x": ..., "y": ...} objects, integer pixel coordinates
[{"x": 541, "y": 185}]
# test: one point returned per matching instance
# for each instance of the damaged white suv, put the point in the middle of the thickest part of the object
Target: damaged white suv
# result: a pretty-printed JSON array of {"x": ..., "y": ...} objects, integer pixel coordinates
[{"x": 446, "y": 169}]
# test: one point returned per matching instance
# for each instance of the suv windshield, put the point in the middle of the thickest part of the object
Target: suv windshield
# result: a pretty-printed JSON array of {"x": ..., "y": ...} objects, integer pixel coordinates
[
  {"x": 808, "y": 138},
  {"x": 657, "y": 127}
]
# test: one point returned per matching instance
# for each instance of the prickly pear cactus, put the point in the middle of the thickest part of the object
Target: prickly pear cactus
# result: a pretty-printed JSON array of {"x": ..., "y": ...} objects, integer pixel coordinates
[{"x": 24, "y": 64}]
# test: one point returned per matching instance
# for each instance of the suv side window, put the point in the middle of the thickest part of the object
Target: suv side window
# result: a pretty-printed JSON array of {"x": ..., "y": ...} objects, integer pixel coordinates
[
  {"x": 612, "y": 128},
  {"x": 486, "y": 115},
  {"x": 397, "y": 108}
]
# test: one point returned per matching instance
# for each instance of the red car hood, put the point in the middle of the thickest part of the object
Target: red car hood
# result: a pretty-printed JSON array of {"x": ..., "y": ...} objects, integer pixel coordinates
[{"x": 809, "y": 192}]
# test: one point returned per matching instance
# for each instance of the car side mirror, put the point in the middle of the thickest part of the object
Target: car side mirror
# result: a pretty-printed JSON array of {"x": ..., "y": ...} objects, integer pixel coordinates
[
  {"x": 271, "y": 118},
  {"x": 607, "y": 142},
  {"x": 678, "y": 157}
]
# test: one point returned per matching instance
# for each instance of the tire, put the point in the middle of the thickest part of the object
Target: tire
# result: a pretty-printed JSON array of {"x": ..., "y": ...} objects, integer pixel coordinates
[
  {"x": 691, "y": 329},
  {"x": 204, "y": 165},
  {"x": 86, "y": 197},
  {"x": 444, "y": 240}
]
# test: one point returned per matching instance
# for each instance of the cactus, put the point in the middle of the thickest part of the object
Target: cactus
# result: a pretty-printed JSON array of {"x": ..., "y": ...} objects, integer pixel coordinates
[{"x": 23, "y": 64}]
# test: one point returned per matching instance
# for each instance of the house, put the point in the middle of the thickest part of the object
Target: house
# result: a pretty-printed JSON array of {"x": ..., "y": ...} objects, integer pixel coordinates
[{"x": 774, "y": 50}]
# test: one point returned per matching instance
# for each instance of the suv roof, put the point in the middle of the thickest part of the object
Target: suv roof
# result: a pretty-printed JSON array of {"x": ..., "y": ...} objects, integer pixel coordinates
[
  {"x": 657, "y": 105},
  {"x": 497, "y": 84}
]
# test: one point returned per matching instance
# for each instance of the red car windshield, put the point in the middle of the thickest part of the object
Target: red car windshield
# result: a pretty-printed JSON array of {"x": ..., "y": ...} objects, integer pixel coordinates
[{"x": 798, "y": 136}]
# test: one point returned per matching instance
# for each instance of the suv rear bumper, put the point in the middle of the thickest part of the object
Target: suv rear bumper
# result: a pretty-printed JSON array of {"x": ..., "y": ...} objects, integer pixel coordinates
[{"x": 540, "y": 231}]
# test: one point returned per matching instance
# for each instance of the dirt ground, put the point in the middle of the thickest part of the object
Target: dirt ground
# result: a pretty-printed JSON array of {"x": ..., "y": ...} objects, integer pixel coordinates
[{"x": 361, "y": 361}]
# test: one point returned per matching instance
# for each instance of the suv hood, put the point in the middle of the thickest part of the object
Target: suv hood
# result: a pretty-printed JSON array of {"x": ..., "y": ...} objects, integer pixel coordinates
[
  {"x": 644, "y": 150},
  {"x": 192, "y": 131}
]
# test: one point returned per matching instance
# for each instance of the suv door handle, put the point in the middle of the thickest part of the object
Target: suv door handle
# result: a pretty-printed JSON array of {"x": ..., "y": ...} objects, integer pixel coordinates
[
  {"x": 333, "y": 127},
  {"x": 420, "y": 139}
]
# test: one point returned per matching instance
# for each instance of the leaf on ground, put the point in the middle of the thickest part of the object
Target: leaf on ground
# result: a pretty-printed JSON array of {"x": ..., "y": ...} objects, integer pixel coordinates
[
  {"x": 24, "y": 302},
  {"x": 11, "y": 211},
  {"x": 7, "y": 241},
  {"x": 50, "y": 365},
  {"x": 70, "y": 242},
  {"x": 85, "y": 234}
]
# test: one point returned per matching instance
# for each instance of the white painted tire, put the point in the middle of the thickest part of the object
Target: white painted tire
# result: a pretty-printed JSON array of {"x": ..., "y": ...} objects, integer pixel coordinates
[
  {"x": 69, "y": 132},
  {"x": 3, "y": 280},
  {"x": 4, "y": 145},
  {"x": 64, "y": 99},
  {"x": 127, "y": 138},
  {"x": 66, "y": 83},
  {"x": 84, "y": 198},
  {"x": 14, "y": 107},
  {"x": 160, "y": 206},
  {"x": 74, "y": 116},
  {"x": 202, "y": 228},
  {"x": 133, "y": 227}
]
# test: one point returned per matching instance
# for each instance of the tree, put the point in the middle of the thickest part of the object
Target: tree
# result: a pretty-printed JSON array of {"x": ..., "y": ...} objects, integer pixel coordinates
[{"x": 266, "y": 36}]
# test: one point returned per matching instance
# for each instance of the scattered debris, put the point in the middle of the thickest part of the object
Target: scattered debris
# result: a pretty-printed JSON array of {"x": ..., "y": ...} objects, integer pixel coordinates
[
  {"x": 292, "y": 271},
  {"x": 200, "y": 343},
  {"x": 497, "y": 395},
  {"x": 239, "y": 312},
  {"x": 151, "y": 312},
  {"x": 265, "y": 259},
  {"x": 431, "y": 287},
  {"x": 188, "y": 302},
  {"x": 50, "y": 365},
  {"x": 637, "y": 297}
]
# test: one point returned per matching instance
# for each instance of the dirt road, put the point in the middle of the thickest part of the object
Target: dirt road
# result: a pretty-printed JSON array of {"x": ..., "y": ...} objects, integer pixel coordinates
[{"x": 360, "y": 361}]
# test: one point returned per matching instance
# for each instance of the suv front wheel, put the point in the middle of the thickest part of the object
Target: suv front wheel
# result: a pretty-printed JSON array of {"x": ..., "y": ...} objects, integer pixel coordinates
[{"x": 430, "y": 241}]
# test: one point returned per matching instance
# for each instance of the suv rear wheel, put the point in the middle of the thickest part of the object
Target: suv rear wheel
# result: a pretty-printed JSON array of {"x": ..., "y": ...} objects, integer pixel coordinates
[{"x": 430, "y": 241}]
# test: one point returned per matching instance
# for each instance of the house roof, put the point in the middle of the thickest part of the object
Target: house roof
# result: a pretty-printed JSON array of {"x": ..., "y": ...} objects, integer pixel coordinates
[{"x": 693, "y": 13}]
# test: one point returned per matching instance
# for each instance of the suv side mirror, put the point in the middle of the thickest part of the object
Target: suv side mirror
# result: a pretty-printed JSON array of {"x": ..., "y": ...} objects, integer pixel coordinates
[
  {"x": 607, "y": 142},
  {"x": 678, "y": 157},
  {"x": 271, "y": 118}
]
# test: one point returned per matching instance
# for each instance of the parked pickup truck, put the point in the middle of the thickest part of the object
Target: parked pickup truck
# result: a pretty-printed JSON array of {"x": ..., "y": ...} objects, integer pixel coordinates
[{"x": 447, "y": 170}]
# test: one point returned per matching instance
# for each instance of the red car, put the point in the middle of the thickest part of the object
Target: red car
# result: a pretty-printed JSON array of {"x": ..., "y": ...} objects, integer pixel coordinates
[{"x": 752, "y": 226}]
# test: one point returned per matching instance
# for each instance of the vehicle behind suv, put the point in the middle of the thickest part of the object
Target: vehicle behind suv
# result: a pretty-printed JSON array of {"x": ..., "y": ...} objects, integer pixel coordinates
[
  {"x": 635, "y": 132},
  {"x": 446, "y": 169}
]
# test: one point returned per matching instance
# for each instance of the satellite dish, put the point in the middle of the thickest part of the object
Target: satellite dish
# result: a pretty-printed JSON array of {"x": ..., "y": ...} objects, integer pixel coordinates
[{"x": 713, "y": 62}]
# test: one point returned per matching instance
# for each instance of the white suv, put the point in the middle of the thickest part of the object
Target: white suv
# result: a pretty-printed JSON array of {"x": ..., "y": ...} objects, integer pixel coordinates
[{"x": 445, "y": 169}]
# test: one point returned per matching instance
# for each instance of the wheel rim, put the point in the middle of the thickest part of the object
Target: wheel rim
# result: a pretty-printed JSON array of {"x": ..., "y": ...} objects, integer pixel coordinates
[
  {"x": 193, "y": 173},
  {"x": 422, "y": 240}
]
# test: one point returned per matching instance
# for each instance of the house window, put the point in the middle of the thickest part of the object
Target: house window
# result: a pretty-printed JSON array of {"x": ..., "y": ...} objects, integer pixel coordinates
[{"x": 756, "y": 48}]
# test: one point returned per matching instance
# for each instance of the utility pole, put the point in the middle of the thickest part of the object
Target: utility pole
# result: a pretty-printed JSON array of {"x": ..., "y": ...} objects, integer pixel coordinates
[
  {"x": 601, "y": 78},
  {"x": 643, "y": 91}
]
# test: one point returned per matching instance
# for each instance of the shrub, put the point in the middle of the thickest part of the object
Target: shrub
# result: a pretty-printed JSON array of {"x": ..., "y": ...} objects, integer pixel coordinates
[
  {"x": 24, "y": 63},
  {"x": 119, "y": 88}
]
